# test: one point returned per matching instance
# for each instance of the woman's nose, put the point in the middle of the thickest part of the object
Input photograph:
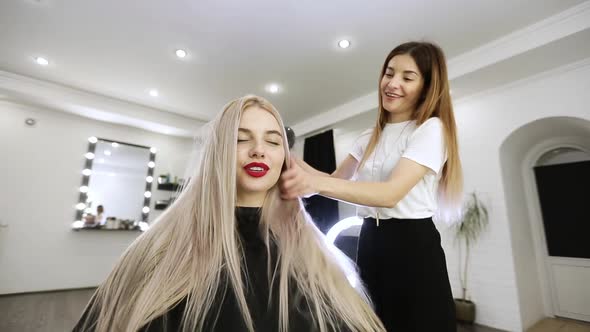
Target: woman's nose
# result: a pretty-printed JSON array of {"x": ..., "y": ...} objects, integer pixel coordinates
[
  {"x": 394, "y": 82},
  {"x": 257, "y": 150}
]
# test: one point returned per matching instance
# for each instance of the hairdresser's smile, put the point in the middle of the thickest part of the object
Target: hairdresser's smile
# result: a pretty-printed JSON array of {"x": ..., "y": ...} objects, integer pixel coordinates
[
  {"x": 392, "y": 95},
  {"x": 401, "y": 86}
]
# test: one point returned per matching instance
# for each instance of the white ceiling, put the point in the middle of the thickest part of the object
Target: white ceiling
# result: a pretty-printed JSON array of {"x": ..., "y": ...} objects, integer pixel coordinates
[
  {"x": 121, "y": 49},
  {"x": 570, "y": 49}
]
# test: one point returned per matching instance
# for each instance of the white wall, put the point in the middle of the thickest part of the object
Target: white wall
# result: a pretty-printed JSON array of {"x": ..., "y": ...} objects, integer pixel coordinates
[
  {"x": 484, "y": 122},
  {"x": 39, "y": 180},
  {"x": 518, "y": 155},
  {"x": 501, "y": 284}
]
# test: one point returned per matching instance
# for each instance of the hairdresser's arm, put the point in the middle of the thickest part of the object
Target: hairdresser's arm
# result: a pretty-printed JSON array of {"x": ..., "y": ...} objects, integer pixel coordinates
[
  {"x": 345, "y": 170},
  {"x": 406, "y": 174}
]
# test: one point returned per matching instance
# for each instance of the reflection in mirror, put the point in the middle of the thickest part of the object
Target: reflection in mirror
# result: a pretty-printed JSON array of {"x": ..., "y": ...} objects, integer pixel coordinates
[{"x": 116, "y": 186}]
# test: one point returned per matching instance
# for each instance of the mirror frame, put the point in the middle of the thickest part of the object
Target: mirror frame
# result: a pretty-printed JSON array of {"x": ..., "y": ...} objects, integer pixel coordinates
[{"x": 87, "y": 172}]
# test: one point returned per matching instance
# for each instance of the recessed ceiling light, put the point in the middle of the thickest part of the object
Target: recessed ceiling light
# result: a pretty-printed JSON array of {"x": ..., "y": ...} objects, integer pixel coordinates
[
  {"x": 180, "y": 53},
  {"x": 154, "y": 93},
  {"x": 344, "y": 43},
  {"x": 273, "y": 88},
  {"x": 41, "y": 61}
]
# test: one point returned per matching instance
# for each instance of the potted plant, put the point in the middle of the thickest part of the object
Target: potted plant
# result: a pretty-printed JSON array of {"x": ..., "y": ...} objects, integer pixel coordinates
[{"x": 467, "y": 231}]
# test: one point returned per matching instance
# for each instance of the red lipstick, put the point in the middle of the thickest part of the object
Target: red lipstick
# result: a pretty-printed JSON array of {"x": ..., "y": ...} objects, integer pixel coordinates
[{"x": 256, "y": 169}]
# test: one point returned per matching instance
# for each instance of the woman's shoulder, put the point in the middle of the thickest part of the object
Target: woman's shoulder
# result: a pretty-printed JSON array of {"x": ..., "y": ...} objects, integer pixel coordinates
[
  {"x": 362, "y": 139},
  {"x": 367, "y": 132},
  {"x": 432, "y": 122},
  {"x": 432, "y": 126}
]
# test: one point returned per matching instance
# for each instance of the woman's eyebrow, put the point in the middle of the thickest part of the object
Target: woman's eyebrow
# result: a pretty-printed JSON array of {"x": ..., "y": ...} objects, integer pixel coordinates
[
  {"x": 405, "y": 71},
  {"x": 276, "y": 132},
  {"x": 268, "y": 132}
]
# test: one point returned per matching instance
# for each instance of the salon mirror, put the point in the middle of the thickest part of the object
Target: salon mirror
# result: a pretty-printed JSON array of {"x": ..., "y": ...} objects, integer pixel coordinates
[{"x": 116, "y": 186}]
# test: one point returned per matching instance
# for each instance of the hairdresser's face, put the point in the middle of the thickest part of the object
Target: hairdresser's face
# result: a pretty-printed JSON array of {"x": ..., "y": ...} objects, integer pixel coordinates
[
  {"x": 260, "y": 155},
  {"x": 401, "y": 86}
]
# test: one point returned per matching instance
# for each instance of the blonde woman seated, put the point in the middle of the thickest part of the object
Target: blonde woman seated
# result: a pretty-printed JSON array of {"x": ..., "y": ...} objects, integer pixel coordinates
[{"x": 230, "y": 254}]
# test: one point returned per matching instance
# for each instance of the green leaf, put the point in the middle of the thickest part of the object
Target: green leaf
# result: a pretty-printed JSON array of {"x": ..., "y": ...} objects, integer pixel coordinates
[{"x": 473, "y": 222}]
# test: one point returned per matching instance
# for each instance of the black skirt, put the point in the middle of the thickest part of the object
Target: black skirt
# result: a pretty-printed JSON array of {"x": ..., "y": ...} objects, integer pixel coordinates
[{"x": 403, "y": 266}]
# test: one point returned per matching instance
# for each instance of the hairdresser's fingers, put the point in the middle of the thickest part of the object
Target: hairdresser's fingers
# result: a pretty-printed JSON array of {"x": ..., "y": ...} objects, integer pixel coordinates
[
  {"x": 301, "y": 163},
  {"x": 287, "y": 185},
  {"x": 287, "y": 180},
  {"x": 295, "y": 182},
  {"x": 289, "y": 194},
  {"x": 294, "y": 173},
  {"x": 289, "y": 174},
  {"x": 291, "y": 189},
  {"x": 288, "y": 197},
  {"x": 300, "y": 188}
]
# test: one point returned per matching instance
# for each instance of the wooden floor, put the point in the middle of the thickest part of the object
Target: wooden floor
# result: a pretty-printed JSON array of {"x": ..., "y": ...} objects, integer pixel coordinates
[
  {"x": 42, "y": 312},
  {"x": 476, "y": 328},
  {"x": 59, "y": 311},
  {"x": 560, "y": 325}
]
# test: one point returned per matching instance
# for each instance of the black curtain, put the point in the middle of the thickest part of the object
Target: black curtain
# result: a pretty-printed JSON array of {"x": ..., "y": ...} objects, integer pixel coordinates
[
  {"x": 318, "y": 152},
  {"x": 563, "y": 194}
]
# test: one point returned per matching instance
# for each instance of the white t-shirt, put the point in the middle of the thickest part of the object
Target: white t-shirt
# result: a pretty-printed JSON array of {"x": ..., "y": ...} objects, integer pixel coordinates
[{"x": 424, "y": 145}]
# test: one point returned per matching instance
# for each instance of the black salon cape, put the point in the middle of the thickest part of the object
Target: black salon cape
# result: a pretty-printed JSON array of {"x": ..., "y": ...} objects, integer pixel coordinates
[{"x": 229, "y": 318}]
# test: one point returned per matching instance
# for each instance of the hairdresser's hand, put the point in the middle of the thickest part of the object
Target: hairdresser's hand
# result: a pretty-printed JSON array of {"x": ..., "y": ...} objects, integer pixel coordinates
[
  {"x": 305, "y": 166},
  {"x": 296, "y": 182}
]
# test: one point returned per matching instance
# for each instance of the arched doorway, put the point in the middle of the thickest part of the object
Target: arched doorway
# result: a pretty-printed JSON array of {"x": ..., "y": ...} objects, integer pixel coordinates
[
  {"x": 561, "y": 186},
  {"x": 534, "y": 145}
]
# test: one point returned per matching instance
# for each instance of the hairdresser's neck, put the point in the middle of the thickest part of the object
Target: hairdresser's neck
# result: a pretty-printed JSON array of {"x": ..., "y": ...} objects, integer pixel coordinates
[
  {"x": 250, "y": 199},
  {"x": 399, "y": 117}
]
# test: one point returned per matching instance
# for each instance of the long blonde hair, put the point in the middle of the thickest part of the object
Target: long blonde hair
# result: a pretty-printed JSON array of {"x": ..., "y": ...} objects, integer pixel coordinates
[
  {"x": 435, "y": 101},
  {"x": 194, "y": 244}
]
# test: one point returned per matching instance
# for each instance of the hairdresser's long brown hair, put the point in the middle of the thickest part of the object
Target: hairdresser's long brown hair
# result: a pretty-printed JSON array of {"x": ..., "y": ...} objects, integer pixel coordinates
[{"x": 435, "y": 101}]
